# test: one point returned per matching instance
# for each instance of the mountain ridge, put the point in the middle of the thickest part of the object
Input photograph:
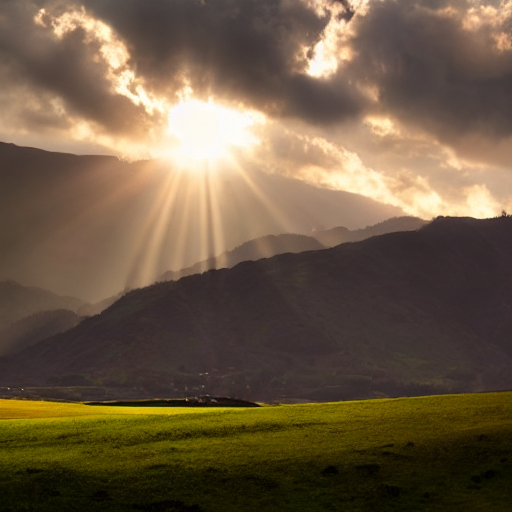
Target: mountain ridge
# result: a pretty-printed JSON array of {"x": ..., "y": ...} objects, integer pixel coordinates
[
  {"x": 13, "y": 337},
  {"x": 36, "y": 327},
  {"x": 18, "y": 301},
  {"x": 390, "y": 314},
  {"x": 272, "y": 245}
]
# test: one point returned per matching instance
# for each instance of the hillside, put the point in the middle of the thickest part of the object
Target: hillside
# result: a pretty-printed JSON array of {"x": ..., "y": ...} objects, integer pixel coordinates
[
  {"x": 272, "y": 245},
  {"x": 90, "y": 226},
  {"x": 263, "y": 247},
  {"x": 30, "y": 330},
  {"x": 18, "y": 301},
  {"x": 403, "y": 313},
  {"x": 97, "y": 307},
  {"x": 340, "y": 235}
]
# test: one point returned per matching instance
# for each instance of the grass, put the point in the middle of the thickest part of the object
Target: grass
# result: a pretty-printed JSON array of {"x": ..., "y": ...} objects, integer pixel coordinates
[
  {"x": 26, "y": 409},
  {"x": 438, "y": 453}
]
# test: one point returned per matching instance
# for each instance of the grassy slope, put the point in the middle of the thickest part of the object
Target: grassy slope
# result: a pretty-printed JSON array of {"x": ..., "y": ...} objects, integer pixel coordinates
[
  {"x": 25, "y": 409},
  {"x": 18, "y": 302},
  {"x": 434, "y": 453}
]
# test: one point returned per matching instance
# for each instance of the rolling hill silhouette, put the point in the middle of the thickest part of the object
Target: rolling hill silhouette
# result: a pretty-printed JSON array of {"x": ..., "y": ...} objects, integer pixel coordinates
[
  {"x": 39, "y": 323},
  {"x": 272, "y": 245},
  {"x": 403, "y": 313},
  {"x": 341, "y": 235},
  {"x": 263, "y": 247},
  {"x": 18, "y": 301},
  {"x": 30, "y": 330}
]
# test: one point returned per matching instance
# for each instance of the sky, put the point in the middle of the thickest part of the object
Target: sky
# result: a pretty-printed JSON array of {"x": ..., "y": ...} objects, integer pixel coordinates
[{"x": 408, "y": 102}]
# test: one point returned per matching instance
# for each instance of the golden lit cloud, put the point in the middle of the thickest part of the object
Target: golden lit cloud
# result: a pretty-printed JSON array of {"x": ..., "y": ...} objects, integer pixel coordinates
[
  {"x": 341, "y": 169},
  {"x": 333, "y": 47},
  {"x": 204, "y": 130},
  {"x": 112, "y": 51},
  {"x": 382, "y": 126},
  {"x": 493, "y": 18},
  {"x": 480, "y": 202}
]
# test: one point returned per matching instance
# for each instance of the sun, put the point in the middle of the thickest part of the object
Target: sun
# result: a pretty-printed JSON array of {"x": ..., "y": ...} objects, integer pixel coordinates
[{"x": 207, "y": 130}]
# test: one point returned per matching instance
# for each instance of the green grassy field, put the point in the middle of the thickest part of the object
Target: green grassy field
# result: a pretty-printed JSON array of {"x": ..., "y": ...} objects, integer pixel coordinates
[{"x": 443, "y": 453}]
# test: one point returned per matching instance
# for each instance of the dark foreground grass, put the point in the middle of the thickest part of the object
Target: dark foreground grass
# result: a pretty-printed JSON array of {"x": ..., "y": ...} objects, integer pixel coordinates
[{"x": 441, "y": 453}]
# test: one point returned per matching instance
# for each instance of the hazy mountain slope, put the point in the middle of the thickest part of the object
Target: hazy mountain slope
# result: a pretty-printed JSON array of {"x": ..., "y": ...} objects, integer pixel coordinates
[
  {"x": 17, "y": 302},
  {"x": 93, "y": 225},
  {"x": 97, "y": 307},
  {"x": 263, "y": 247},
  {"x": 34, "y": 328},
  {"x": 408, "y": 312},
  {"x": 340, "y": 235},
  {"x": 272, "y": 245}
]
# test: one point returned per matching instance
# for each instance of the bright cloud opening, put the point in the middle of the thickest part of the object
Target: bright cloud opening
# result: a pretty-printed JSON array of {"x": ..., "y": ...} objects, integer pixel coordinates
[
  {"x": 333, "y": 48},
  {"x": 206, "y": 130}
]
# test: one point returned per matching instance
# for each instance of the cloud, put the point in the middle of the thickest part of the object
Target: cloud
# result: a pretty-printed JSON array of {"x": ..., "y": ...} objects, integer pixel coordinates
[
  {"x": 60, "y": 77},
  {"x": 406, "y": 170},
  {"x": 444, "y": 66}
]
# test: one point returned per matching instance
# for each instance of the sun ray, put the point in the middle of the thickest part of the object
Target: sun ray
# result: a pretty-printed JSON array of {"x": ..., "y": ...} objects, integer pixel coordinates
[
  {"x": 217, "y": 223},
  {"x": 263, "y": 199},
  {"x": 155, "y": 248},
  {"x": 150, "y": 240},
  {"x": 186, "y": 224}
]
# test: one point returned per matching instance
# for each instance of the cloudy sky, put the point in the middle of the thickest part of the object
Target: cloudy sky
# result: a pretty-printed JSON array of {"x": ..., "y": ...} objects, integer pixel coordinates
[{"x": 408, "y": 102}]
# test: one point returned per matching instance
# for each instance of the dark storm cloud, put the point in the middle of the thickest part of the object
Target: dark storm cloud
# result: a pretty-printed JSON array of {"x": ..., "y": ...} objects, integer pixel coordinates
[
  {"x": 35, "y": 64},
  {"x": 251, "y": 50},
  {"x": 434, "y": 70}
]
